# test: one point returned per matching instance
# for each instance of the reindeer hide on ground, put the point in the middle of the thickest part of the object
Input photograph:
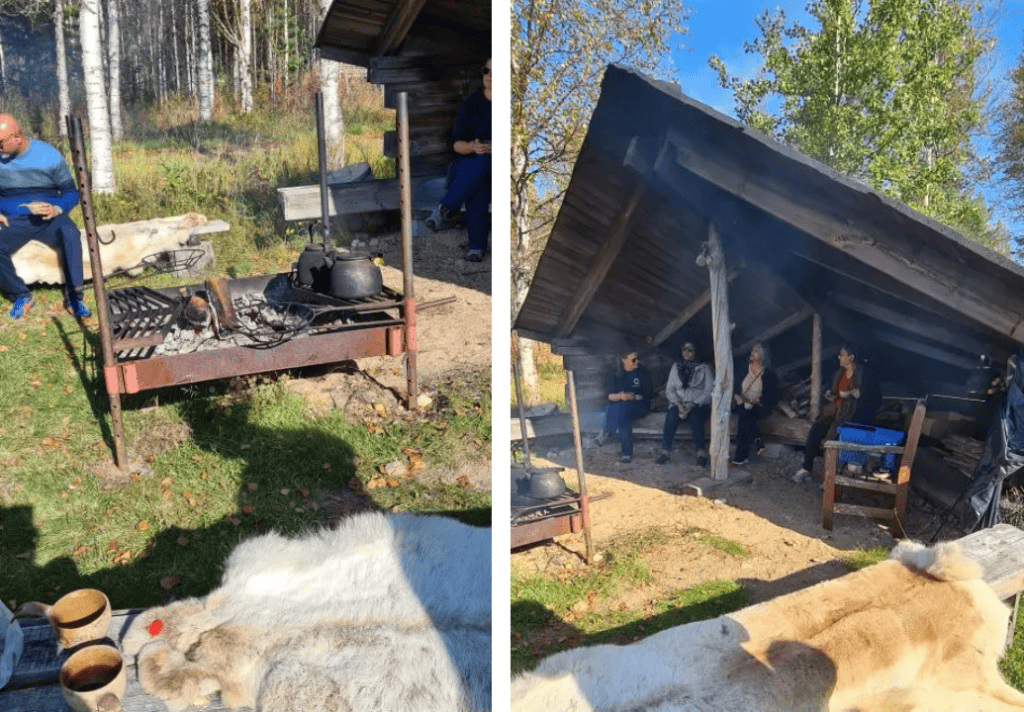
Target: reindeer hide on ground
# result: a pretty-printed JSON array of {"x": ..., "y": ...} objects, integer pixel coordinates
[
  {"x": 387, "y": 613},
  {"x": 919, "y": 631},
  {"x": 122, "y": 247}
]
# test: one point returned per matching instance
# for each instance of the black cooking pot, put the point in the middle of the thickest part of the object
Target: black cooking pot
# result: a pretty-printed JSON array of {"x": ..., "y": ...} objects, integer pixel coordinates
[
  {"x": 314, "y": 268},
  {"x": 354, "y": 276}
]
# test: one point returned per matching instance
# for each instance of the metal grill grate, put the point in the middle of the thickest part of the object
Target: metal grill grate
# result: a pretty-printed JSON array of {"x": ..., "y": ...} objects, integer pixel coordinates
[{"x": 140, "y": 316}]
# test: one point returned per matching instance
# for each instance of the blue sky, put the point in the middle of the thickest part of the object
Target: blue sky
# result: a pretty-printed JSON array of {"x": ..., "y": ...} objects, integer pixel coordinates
[{"x": 721, "y": 28}]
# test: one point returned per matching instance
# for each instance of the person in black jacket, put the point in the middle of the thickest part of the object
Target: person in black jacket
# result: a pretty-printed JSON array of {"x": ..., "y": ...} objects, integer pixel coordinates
[
  {"x": 754, "y": 399},
  {"x": 629, "y": 397},
  {"x": 470, "y": 174}
]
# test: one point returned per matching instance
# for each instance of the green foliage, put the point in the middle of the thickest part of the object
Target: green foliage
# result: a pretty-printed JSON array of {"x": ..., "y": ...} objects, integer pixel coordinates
[
  {"x": 882, "y": 91},
  {"x": 560, "y": 49},
  {"x": 862, "y": 558},
  {"x": 1009, "y": 141}
]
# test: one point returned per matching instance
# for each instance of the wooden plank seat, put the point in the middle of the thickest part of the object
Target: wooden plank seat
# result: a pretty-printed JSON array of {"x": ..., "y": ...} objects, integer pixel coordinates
[{"x": 897, "y": 513}]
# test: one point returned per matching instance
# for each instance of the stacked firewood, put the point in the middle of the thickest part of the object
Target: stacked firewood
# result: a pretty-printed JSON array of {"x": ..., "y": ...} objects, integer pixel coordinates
[
  {"x": 796, "y": 399},
  {"x": 963, "y": 453}
]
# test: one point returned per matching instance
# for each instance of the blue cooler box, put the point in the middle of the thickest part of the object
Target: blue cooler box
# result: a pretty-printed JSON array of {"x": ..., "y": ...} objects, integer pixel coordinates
[{"x": 868, "y": 435}]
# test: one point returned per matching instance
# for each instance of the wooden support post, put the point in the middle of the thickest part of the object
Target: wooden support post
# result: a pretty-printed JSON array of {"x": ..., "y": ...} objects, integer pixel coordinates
[
  {"x": 577, "y": 440},
  {"x": 815, "y": 410},
  {"x": 721, "y": 396}
]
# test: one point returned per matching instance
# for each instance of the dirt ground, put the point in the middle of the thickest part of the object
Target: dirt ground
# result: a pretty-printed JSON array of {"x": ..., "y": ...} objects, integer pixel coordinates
[{"x": 777, "y": 520}]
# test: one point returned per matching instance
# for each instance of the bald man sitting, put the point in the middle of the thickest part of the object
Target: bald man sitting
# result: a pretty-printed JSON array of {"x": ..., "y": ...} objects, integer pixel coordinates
[{"x": 36, "y": 193}]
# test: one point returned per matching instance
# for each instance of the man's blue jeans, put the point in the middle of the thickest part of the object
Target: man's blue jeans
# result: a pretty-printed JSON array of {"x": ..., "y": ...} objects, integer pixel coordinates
[
  {"x": 60, "y": 233},
  {"x": 472, "y": 186}
]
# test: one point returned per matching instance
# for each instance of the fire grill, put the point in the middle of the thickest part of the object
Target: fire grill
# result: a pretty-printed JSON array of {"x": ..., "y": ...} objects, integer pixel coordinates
[{"x": 311, "y": 328}]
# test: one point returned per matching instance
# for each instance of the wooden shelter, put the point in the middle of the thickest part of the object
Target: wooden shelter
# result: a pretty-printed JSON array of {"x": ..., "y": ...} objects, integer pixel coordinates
[
  {"x": 431, "y": 49},
  {"x": 807, "y": 253}
]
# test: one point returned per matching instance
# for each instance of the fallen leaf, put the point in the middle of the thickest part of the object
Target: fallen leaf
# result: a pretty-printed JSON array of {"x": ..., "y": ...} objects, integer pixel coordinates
[
  {"x": 142, "y": 526},
  {"x": 50, "y": 443},
  {"x": 76, "y": 483},
  {"x": 245, "y": 446},
  {"x": 3, "y": 349},
  {"x": 35, "y": 382},
  {"x": 235, "y": 520},
  {"x": 391, "y": 482},
  {"x": 165, "y": 482},
  {"x": 376, "y": 482},
  {"x": 463, "y": 481},
  {"x": 123, "y": 557},
  {"x": 166, "y": 496},
  {"x": 182, "y": 541},
  {"x": 285, "y": 491},
  {"x": 304, "y": 491},
  {"x": 327, "y": 467},
  {"x": 112, "y": 545},
  {"x": 79, "y": 552},
  {"x": 251, "y": 486},
  {"x": 23, "y": 556},
  {"x": 68, "y": 390},
  {"x": 248, "y": 509},
  {"x": 169, "y": 582}
]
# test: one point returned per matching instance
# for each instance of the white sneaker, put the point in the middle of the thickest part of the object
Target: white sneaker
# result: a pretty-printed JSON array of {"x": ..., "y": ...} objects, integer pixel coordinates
[{"x": 801, "y": 476}]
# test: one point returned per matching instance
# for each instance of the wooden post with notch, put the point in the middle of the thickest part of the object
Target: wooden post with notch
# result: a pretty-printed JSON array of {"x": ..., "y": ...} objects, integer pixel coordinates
[{"x": 812, "y": 415}]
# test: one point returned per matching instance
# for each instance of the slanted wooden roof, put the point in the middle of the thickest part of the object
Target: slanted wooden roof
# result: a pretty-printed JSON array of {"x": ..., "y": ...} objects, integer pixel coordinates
[
  {"x": 430, "y": 49},
  {"x": 356, "y": 31},
  {"x": 656, "y": 168}
]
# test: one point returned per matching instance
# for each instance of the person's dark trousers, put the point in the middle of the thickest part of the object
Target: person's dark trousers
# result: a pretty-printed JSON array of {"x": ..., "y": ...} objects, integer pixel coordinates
[
  {"x": 746, "y": 430},
  {"x": 694, "y": 418},
  {"x": 619, "y": 417},
  {"x": 814, "y": 437},
  {"x": 472, "y": 186},
  {"x": 60, "y": 233}
]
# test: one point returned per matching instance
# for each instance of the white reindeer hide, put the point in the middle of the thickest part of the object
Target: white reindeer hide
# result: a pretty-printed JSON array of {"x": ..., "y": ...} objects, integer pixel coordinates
[
  {"x": 122, "y": 247},
  {"x": 920, "y": 631},
  {"x": 387, "y": 613}
]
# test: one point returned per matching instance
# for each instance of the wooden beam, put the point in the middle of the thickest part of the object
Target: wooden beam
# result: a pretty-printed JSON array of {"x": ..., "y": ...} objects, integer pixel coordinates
[
  {"x": 721, "y": 395},
  {"x": 689, "y": 312},
  {"x": 772, "y": 331},
  {"x": 815, "y": 409},
  {"x": 932, "y": 331},
  {"x": 911, "y": 263},
  {"x": 806, "y": 361},
  {"x": 931, "y": 352},
  {"x": 397, "y": 27},
  {"x": 303, "y": 202},
  {"x": 602, "y": 263}
]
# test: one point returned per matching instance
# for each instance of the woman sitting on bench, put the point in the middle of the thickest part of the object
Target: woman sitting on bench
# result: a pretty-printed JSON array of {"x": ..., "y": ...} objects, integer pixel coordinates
[{"x": 470, "y": 175}]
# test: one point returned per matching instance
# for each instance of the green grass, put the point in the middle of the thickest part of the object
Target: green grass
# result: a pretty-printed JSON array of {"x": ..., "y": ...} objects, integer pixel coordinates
[
  {"x": 217, "y": 462},
  {"x": 729, "y": 546},
  {"x": 862, "y": 558},
  {"x": 551, "y": 613}
]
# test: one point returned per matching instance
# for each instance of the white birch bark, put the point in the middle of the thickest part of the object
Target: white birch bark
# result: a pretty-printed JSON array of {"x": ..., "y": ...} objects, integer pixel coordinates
[
  {"x": 3, "y": 67},
  {"x": 114, "y": 64},
  {"x": 205, "y": 62},
  {"x": 101, "y": 154},
  {"x": 64, "y": 94},
  {"x": 245, "y": 54},
  {"x": 334, "y": 122}
]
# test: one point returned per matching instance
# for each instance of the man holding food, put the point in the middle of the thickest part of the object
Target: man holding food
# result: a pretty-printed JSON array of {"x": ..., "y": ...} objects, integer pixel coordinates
[{"x": 36, "y": 193}]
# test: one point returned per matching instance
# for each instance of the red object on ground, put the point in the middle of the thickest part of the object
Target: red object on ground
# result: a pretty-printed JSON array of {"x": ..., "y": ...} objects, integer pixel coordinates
[{"x": 155, "y": 627}]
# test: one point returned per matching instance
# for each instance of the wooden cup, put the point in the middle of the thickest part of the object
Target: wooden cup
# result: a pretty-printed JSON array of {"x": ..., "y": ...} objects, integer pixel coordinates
[
  {"x": 94, "y": 679},
  {"x": 81, "y": 616}
]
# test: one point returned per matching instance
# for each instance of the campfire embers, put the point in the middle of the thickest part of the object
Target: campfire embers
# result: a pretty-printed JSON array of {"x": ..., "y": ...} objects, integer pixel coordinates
[{"x": 256, "y": 312}]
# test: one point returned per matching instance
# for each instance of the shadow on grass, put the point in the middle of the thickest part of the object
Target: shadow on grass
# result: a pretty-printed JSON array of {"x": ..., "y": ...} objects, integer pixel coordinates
[{"x": 537, "y": 632}]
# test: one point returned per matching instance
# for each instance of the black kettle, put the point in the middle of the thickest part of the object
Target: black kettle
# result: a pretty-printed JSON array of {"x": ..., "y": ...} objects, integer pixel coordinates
[
  {"x": 354, "y": 276},
  {"x": 314, "y": 268}
]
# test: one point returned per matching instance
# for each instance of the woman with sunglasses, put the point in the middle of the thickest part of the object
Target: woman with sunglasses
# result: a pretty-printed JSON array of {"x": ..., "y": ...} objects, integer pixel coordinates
[
  {"x": 469, "y": 176},
  {"x": 629, "y": 397}
]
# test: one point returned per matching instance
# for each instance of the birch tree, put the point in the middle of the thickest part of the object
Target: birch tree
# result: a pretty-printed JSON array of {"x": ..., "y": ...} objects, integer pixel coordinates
[
  {"x": 114, "y": 68},
  {"x": 334, "y": 123},
  {"x": 64, "y": 100},
  {"x": 97, "y": 110},
  {"x": 881, "y": 90},
  {"x": 244, "y": 50},
  {"x": 560, "y": 49},
  {"x": 205, "y": 62},
  {"x": 1010, "y": 140}
]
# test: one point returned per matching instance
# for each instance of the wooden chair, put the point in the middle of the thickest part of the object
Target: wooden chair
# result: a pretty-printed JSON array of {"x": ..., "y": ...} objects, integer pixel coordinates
[{"x": 898, "y": 489}]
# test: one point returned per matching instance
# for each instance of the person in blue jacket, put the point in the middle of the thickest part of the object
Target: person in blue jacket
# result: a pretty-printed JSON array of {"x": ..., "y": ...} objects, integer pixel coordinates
[
  {"x": 36, "y": 194},
  {"x": 629, "y": 397},
  {"x": 470, "y": 175}
]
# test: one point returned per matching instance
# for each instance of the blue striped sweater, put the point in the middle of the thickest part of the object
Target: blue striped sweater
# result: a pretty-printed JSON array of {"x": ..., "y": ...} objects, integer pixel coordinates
[{"x": 40, "y": 173}]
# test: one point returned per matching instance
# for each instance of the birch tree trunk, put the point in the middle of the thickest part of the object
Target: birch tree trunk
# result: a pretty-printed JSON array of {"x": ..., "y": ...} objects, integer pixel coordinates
[
  {"x": 521, "y": 279},
  {"x": 245, "y": 55},
  {"x": 64, "y": 94},
  {"x": 114, "y": 63},
  {"x": 98, "y": 113},
  {"x": 334, "y": 122},
  {"x": 3, "y": 68},
  {"x": 205, "y": 63}
]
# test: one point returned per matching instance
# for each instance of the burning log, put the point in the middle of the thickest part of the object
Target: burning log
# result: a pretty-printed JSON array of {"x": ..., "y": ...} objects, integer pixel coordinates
[{"x": 197, "y": 312}]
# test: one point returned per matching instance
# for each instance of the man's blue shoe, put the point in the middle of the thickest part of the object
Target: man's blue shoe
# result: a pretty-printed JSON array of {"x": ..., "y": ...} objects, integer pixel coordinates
[
  {"x": 21, "y": 306},
  {"x": 76, "y": 308}
]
